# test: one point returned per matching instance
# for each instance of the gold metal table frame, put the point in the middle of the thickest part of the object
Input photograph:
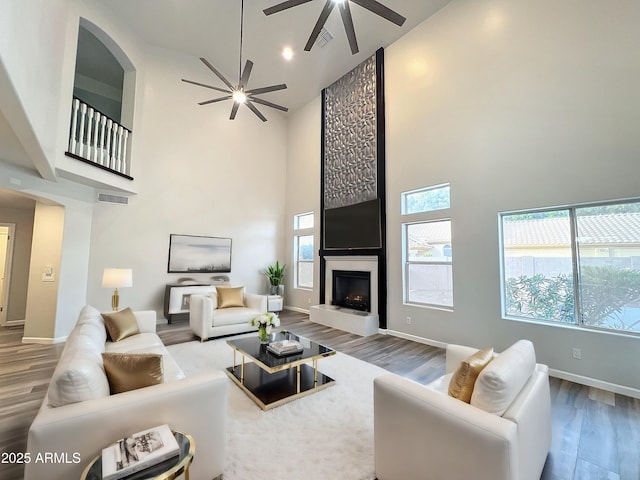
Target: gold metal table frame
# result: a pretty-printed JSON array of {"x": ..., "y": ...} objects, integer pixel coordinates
[{"x": 270, "y": 380}]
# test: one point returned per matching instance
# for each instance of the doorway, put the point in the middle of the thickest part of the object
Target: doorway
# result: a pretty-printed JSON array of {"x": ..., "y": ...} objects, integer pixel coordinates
[{"x": 7, "y": 233}]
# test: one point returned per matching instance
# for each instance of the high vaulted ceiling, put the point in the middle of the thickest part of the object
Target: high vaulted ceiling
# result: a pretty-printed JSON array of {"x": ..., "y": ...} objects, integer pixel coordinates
[{"x": 211, "y": 29}]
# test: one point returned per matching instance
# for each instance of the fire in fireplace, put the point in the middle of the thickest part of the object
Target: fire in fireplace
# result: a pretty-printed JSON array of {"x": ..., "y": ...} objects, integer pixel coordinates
[{"x": 352, "y": 289}]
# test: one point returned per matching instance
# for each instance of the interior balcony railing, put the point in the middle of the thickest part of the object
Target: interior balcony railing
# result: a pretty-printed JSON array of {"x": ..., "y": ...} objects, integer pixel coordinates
[{"x": 99, "y": 140}]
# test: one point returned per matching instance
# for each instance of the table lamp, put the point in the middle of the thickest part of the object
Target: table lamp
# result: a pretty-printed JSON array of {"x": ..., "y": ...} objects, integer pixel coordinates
[{"x": 116, "y": 278}]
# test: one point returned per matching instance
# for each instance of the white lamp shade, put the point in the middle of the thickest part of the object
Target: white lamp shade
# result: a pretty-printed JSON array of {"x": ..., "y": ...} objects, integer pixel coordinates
[{"x": 117, "y": 277}]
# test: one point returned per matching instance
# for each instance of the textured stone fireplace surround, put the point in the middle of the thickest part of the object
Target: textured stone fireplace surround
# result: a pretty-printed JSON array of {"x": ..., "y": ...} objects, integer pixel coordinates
[{"x": 353, "y": 175}]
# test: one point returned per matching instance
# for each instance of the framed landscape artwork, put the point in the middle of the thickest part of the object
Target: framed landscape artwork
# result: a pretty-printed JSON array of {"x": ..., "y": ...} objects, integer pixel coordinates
[{"x": 195, "y": 254}]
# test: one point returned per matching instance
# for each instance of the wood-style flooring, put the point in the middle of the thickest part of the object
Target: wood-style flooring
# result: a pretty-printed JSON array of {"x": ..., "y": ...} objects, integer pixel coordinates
[{"x": 596, "y": 434}]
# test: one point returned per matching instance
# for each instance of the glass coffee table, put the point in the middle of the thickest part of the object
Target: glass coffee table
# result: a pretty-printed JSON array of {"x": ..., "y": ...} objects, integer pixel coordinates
[{"x": 271, "y": 380}]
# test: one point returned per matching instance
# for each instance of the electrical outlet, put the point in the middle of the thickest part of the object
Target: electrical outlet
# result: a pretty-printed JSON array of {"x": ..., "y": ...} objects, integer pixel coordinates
[
  {"x": 576, "y": 353},
  {"x": 408, "y": 320}
]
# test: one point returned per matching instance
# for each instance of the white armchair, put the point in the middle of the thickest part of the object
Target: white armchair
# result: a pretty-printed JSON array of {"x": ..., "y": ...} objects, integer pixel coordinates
[
  {"x": 422, "y": 432},
  {"x": 207, "y": 320}
]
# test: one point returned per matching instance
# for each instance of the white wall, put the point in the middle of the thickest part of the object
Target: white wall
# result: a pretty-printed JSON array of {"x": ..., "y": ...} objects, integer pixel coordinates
[
  {"x": 518, "y": 104},
  {"x": 198, "y": 174},
  {"x": 23, "y": 219},
  {"x": 303, "y": 194}
]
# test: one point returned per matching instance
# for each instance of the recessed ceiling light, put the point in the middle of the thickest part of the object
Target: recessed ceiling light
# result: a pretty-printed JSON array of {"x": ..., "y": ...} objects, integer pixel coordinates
[{"x": 287, "y": 53}]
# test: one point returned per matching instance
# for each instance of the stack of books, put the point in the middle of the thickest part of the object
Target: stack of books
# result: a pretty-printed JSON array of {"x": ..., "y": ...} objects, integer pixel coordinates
[
  {"x": 138, "y": 451},
  {"x": 285, "y": 347}
]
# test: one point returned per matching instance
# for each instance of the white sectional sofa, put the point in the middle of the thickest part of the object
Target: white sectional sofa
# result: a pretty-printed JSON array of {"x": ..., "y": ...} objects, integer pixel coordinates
[
  {"x": 504, "y": 433},
  {"x": 208, "y": 320},
  {"x": 79, "y": 416}
]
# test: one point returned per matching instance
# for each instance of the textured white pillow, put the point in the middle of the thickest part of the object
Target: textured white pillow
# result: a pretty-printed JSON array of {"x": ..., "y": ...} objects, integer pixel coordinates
[
  {"x": 79, "y": 374},
  {"x": 500, "y": 382},
  {"x": 78, "y": 377}
]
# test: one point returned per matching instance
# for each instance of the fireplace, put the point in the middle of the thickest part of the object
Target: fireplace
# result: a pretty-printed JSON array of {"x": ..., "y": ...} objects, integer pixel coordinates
[{"x": 352, "y": 289}]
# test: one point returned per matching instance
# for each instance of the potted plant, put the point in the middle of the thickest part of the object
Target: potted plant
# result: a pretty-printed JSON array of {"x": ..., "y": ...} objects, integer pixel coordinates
[{"x": 275, "y": 274}]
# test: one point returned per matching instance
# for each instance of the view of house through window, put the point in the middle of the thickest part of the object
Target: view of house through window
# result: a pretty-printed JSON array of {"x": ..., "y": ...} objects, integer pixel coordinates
[
  {"x": 428, "y": 274},
  {"x": 303, "y": 249},
  {"x": 578, "y": 265},
  {"x": 427, "y": 249}
]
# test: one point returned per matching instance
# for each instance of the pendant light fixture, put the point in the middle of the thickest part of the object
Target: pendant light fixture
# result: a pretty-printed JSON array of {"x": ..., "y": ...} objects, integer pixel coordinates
[{"x": 239, "y": 93}]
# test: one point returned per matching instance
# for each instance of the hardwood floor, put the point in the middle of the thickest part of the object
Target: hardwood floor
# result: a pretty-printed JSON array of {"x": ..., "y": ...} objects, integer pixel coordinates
[{"x": 596, "y": 434}]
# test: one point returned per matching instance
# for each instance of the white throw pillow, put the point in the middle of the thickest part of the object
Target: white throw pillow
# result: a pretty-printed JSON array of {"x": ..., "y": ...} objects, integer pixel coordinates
[
  {"x": 500, "y": 382},
  {"x": 79, "y": 376}
]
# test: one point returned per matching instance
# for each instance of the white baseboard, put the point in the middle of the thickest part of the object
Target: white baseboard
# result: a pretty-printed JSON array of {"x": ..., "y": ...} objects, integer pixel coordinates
[
  {"x": 593, "y": 382},
  {"x": 580, "y": 379},
  {"x": 44, "y": 340},
  {"x": 295, "y": 309},
  {"x": 413, "y": 338},
  {"x": 14, "y": 323}
]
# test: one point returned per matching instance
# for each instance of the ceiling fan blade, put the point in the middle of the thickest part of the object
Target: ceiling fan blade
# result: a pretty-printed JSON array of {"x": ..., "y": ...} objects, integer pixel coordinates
[
  {"x": 319, "y": 24},
  {"x": 272, "y": 88},
  {"x": 379, "y": 9},
  {"x": 345, "y": 12},
  {"x": 269, "y": 104},
  {"x": 218, "y": 74},
  {"x": 245, "y": 74},
  {"x": 207, "y": 102},
  {"x": 234, "y": 110},
  {"x": 283, "y": 6},
  {"x": 253, "y": 108},
  {"x": 205, "y": 86}
]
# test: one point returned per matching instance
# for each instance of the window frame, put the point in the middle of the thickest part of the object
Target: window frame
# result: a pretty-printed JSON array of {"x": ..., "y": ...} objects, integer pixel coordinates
[
  {"x": 578, "y": 321},
  {"x": 298, "y": 234},
  {"x": 419, "y": 217},
  {"x": 408, "y": 263}
]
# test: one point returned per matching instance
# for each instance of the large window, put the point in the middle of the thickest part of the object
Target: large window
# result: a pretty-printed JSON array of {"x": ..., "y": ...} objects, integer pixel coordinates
[
  {"x": 303, "y": 249},
  {"x": 578, "y": 265},
  {"x": 427, "y": 248}
]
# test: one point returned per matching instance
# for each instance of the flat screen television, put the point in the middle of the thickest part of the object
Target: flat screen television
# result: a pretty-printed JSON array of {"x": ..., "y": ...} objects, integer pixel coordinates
[
  {"x": 195, "y": 254},
  {"x": 353, "y": 227}
]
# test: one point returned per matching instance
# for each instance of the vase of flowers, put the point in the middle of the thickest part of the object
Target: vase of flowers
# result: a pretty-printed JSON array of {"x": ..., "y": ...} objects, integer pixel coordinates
[{"x": 265, "y": 324}]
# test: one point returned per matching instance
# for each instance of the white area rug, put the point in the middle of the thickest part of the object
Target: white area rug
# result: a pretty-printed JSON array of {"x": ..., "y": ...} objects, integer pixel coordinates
[{"x": 326, "y": 435}]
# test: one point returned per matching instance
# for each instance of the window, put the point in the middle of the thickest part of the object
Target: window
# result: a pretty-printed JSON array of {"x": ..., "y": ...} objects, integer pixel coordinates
[
  {"x": 578, "y": 265},
  {"x": 303, "y": 249},
  {"x": 426, "y": 199},
  {"x": 427, "y": 248},
  {"x": 428, "y": 275}
]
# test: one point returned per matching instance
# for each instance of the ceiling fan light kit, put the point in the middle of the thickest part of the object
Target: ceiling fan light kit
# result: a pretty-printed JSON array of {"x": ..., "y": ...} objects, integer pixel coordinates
[
  {"x": 239, "y": 93},
  {"x": 345, "y": 12}
]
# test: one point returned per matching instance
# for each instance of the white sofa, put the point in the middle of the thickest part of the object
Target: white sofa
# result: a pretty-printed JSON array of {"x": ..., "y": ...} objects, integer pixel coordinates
[
  {"x": 422, "y": 432},
  {"x": 207, "y": 320},
  {"x": 88, "y": 418}
]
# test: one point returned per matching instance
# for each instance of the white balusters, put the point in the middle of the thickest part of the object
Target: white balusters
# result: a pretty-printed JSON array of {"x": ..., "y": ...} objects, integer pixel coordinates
[
  {"x": 83, "y": 115},
  {"x": 103, "y": 124},
  {"x": 97, "y": 138},
  {"x": 96, "y": 124},
  {"x": 74, "y": 121}
]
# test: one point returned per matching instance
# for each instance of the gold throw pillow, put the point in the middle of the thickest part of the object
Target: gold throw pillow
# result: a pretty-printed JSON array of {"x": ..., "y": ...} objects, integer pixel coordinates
[
  {"x": 464, "y": 378},
  {"x": 230, "y": 297},
  {"x": 129, "y": 371},
  {"x": 121, "y": 324}
]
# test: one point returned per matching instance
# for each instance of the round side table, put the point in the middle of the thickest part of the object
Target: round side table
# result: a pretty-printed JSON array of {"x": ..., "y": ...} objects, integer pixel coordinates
[{"x": 165, "y": 470}]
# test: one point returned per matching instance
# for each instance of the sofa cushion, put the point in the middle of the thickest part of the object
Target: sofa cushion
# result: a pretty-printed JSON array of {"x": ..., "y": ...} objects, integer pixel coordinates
[
  {"x": 500, "y": 382},
  {"x": 121, "y": 324},
  {"x": 230, "y": 297},
  {"x": 233, "y": 316},
  {"x": 130, "y": 371},
  {"x": 90, "y": 315},
  {"x": 464, "y": 378},
  {"x": 79, "y": 375}
]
